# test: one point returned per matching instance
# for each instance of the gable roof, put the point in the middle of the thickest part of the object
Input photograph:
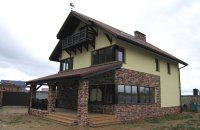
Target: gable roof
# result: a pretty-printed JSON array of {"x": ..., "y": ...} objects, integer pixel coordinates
[
  {"x": 79, "y": 73},
  {"x": 75, "y": 18}
]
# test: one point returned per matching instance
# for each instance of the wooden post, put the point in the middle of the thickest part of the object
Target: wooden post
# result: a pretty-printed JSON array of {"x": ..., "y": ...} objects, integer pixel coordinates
[
  {"x": 1, "y": 98},
  {"x": 32, "y": 96}
]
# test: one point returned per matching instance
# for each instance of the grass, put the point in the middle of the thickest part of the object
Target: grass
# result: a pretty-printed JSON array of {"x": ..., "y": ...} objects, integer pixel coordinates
[
  {"x": 168, "y": 118},
  {"x": 176, "y": 117},
  {"x": 176, "y": 127},
  {"x": 189, "y": 122},
  {"x": 154, "y": 120}
]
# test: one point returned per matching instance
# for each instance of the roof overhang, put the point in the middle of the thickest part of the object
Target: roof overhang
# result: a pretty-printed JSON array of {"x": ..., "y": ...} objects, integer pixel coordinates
[{"x": 79, "y": 73}]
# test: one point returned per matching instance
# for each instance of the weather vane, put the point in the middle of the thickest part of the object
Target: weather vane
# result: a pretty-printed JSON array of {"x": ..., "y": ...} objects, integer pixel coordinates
[{"x": 71, "y": 6}]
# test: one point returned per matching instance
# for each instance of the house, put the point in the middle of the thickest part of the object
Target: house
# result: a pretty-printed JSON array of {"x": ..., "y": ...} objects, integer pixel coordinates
[
  {"x": 105, "y": 70},
  {"x": 12, "y": 86}
]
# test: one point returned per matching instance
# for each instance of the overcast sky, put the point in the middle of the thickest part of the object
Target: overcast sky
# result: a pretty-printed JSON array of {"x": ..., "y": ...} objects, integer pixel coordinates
[{"x": 28, "y": 31}]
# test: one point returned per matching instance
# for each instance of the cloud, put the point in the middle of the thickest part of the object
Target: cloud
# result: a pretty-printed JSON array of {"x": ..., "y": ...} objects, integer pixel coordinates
[{"x": 17, "y": 61}]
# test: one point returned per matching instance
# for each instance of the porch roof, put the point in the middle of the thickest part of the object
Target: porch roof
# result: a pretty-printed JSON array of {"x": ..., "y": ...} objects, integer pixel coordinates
[{"x": 79, "y": 73}]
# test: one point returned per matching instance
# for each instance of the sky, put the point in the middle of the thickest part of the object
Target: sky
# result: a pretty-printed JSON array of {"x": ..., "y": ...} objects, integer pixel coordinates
[{"x": 28, "y": 30}]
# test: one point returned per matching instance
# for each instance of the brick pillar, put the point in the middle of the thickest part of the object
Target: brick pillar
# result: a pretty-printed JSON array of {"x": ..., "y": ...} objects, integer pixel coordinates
[
  {"x": 51, "y": 99},
  {"x": 32, "y": 96},
  {"x": 82, "y": 110}
]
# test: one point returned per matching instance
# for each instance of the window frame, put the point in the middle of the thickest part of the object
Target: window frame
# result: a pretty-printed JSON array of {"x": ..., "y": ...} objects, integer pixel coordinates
[
  {"x": 147, "y": 97},
  {"x": 104, "y": 55},
  {"x": 68, "y": 61}
]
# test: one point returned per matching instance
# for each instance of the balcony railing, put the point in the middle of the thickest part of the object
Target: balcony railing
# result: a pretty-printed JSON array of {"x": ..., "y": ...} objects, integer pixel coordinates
[{"x": 82, "y": 36}]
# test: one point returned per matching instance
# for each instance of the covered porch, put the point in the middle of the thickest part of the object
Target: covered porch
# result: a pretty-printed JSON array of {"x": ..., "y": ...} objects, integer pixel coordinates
[{"x": 82, "y": 94}]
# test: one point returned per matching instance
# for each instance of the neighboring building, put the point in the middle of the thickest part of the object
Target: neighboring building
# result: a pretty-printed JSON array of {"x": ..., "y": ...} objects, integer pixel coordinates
[
  {"x": 191, "y": 102},
  {"x": 105, "y": 70},
  {"x": 12, "y": 86}
]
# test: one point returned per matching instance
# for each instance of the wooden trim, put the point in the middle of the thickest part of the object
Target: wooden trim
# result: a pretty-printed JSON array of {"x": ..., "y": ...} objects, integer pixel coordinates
[{"x": 109, "y": 37}]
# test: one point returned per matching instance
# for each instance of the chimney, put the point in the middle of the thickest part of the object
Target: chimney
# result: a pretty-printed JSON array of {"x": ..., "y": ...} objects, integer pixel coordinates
[{"x": 140, "y": 36}]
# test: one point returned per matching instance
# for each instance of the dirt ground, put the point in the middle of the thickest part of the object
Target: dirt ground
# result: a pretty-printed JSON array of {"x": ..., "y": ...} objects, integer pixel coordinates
[{"x": 16, "y": 118}]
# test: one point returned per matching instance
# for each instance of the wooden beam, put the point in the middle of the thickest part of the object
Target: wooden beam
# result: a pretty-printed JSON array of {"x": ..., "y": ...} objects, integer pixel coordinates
[
  {"x": 109, "y": 37},
  {"x": 92, "y": 44},
  {"x": 86, "y": 46},
  {"x": 38, "y": 87},
  {"x": 74, "y": 50},
  {"x": 69, "y": 52},
  {"x": 80, "y": 49},
  {"x": 95, "y": 32}
]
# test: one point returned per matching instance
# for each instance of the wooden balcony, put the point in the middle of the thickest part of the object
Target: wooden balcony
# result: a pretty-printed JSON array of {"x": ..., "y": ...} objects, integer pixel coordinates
[{"x": 84, "y": 36}]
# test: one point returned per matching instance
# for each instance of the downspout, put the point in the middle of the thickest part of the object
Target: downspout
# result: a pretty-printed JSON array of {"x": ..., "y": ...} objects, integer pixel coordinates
[{"x": 180, "y": 87}]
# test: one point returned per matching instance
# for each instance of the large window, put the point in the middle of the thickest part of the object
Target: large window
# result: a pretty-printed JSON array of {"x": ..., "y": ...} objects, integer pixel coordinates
[
  {"x": 66, "y": 64},
  {"x": 112, "y": 53},
  {"x": 135, "y": 94}
]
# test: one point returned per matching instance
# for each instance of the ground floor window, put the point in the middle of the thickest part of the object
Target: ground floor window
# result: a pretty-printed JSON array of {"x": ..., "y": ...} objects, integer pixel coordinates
[
  {"x": 135, "y": 94},
  {"x": 104, "y": 94},
  {"x": 95, "y": 95}
]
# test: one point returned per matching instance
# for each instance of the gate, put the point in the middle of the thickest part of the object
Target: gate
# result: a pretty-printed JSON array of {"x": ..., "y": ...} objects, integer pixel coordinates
[{"x": 15, "y": 99}]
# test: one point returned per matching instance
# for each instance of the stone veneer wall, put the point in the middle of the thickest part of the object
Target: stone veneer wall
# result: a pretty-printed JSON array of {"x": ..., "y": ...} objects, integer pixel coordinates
[
  {"x": 134, "y": 112},
  {"x": 51, "y": 99},
  {"x": 67, "y": 94},
  {"x": 131, "y": 77},
  {"x": 128, "y": 112},
  {"x": 38, "y": 112},
  {"x": 82, "y": 108}
]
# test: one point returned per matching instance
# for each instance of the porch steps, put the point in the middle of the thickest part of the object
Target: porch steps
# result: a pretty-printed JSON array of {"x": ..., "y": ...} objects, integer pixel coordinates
[
  {"x": 103, "y": 120},
  {"x": 62, "y": 118}
]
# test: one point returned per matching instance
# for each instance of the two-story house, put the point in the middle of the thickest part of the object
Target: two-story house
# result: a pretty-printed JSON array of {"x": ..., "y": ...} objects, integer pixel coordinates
[{"x": 105, "y": 70}]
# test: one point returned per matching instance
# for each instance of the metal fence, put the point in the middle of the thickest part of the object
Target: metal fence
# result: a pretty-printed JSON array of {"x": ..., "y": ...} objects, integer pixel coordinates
[{"x": 15, "y": 98}]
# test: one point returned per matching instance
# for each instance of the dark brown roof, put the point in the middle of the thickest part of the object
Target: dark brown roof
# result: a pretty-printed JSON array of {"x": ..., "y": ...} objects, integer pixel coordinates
[
  {"x": 79, "y": 73},
  {"x": 66, "y": 29}
]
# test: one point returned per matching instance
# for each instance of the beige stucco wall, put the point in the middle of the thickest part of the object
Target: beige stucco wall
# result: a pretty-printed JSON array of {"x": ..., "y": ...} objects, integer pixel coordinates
[
  {"x": 82, "y": 60},
  {"x": 140, "y": 60}
]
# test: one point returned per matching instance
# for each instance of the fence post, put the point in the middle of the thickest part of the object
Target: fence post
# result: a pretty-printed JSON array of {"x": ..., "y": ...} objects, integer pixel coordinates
[
  {"x": 32, "y": 95},
  {"x": 1, "y": 98}
]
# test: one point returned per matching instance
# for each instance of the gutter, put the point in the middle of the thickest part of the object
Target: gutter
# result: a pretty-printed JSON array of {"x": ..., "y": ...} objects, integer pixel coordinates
[{"x": 181, "y": 110}]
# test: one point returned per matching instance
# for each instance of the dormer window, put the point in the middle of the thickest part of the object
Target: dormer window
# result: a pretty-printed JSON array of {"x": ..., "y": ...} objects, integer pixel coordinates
[
  {"x": 112, "y": 53},
  {"x": 66, "y": 64}
]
